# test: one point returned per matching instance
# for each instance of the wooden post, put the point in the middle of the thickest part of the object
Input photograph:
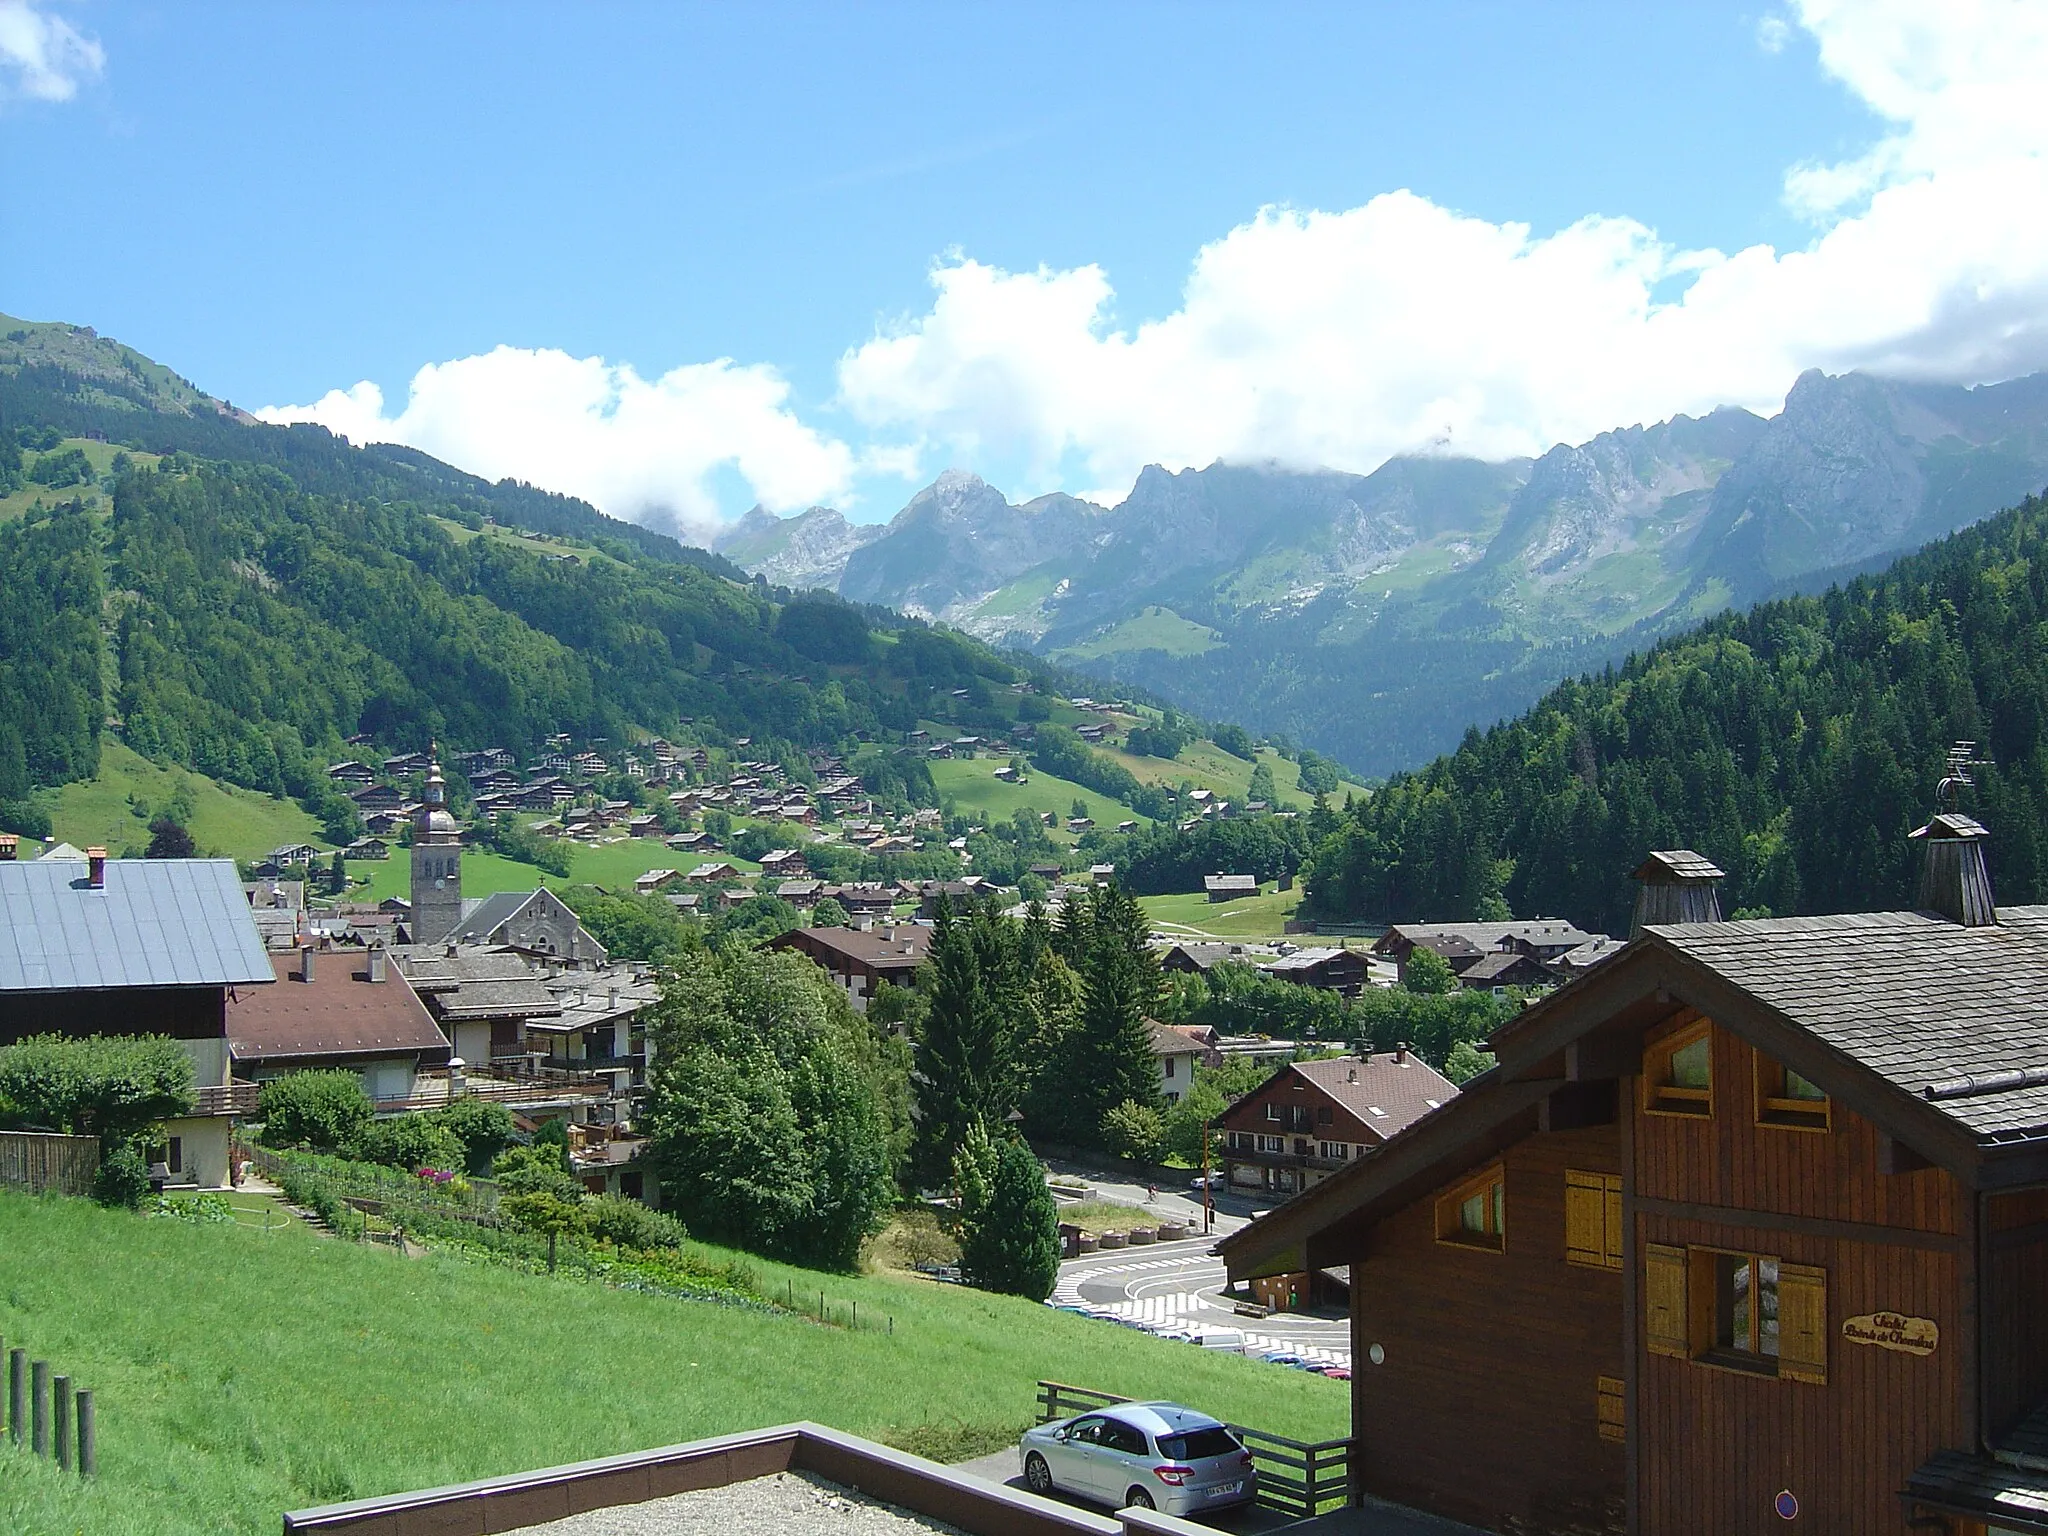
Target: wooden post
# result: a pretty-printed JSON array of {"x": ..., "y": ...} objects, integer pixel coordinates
[
  {"x": 39, "y": 1407},
  {"x": 88, "y": 1436},
  {"x": 17, "y": 1394},
  {"x": 60, "y": 1402}
]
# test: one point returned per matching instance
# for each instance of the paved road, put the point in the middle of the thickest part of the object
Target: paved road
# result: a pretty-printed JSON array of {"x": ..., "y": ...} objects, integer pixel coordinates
[
  {"x": 1375, "y": 1519},
  {"x": 1179, "y": 1284},
  {"x": 1003, "y": 1468}
]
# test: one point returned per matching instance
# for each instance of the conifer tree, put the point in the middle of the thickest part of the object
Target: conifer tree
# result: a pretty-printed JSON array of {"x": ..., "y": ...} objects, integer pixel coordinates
[
  {"x": 1011, "y": 1243},
  {"x": 1110, "y": 1058},
  {"x": 966, "y": 1063}
]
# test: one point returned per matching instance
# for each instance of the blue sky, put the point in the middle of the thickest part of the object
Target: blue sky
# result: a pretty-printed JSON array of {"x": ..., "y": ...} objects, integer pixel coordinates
[{"x": 282, "y": 201}]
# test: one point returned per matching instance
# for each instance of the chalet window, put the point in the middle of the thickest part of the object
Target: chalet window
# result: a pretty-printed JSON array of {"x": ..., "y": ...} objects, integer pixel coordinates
[
  {"x": 1787, "y": 1100},
  {"x": 1324, "y": 1115},
  {"x": 177, "y": 1155},
  {"x": 1474, "y": 1214},
  {"x": 1742, "y": 1311},
  {"x": 1592, "y": 1218},
  {"x": 1272, "y": 1111},
  {"x": 1169, "y": 1066},
  {"x": 1610, "y": 1407},
  {"x": 1678, "y": 1072}
]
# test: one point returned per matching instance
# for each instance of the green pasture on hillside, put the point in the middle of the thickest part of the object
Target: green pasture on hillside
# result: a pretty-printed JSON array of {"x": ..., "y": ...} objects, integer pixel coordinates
[
  {"x": 240, "y": 1375},
  {"x": 235, "y": 823},
  {"x": 1193, "y": 915},
  {"x": 971, "y": 784}
]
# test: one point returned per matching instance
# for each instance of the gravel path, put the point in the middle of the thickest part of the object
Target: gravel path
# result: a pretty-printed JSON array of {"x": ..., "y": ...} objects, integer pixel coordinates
[{"x": 789, "y": 1503}]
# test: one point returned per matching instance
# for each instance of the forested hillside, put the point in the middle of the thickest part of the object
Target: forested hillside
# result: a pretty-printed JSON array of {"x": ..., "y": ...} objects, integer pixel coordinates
[
  {"x": 1795, "y": 745},
  {"x": 242, "y": 599}
]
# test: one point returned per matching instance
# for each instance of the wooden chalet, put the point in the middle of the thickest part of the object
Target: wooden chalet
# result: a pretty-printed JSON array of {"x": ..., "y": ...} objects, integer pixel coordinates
[
  {"x": 1747, "y": 1230},
  {"x": 1330, "y": 970},
  {"x": 862, "y": 961},
  {"x": 1311, "y": 1119}
]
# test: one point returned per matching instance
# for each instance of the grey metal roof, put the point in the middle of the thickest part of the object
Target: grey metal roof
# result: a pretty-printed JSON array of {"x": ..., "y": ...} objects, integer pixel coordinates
[
  {"x": 491, "y": 914},
  {"x": 1916, "y": 999},
  {"x": 155, "y": 923}
]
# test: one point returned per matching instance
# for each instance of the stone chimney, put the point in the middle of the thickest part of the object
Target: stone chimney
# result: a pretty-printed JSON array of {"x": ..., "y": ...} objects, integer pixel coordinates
[
  {"x": 376, "y": 958},
  {"x": 1954, "y": 878},
  {"x": 8, "y": 844},
  {"x": 96, "y": 868},
  {"x": 306, "y": 962},
  {"x": 1676, "y": 886}
]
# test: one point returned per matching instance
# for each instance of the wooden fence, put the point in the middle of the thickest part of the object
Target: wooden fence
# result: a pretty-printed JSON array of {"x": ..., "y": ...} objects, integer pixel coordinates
[
  {"x": 1296, "y": 1477},
  {"x": 41, "y": 1163}
]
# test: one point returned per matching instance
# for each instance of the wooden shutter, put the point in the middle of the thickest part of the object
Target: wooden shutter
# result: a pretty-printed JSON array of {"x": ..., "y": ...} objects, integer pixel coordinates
[
  {"x": 1613, "y": 1202},
  {"x": 1585, "y": 1217},
  {"x": 1802, "y": 1322},
  {"x": 1664, "y": 1315},
  {"x": 1611, "y": 1407}
]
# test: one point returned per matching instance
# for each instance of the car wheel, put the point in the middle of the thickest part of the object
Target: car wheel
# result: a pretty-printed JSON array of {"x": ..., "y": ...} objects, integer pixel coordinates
[
  {"x": 1037, "y": 1475},
  {"x": 1138, "y": 1498}
]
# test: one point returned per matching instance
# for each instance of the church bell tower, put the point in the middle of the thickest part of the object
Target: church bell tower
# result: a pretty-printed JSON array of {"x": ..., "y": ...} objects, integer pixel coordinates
[{"x": 436, "y": 863}]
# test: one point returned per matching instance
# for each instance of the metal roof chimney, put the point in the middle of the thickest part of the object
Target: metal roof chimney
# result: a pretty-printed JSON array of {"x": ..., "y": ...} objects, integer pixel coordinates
[
  {"x": 1676, "y": 885},
  {"x": 1955, "y": 880}
]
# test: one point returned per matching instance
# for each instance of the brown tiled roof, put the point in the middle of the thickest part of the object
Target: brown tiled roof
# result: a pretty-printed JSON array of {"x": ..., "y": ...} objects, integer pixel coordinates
[
  {"x": 902, "y": 947},
  {"x": 1388, "y": 1095},
  {"x": 1173, "y": 1040},
  {"x": 340, "y": 1012}
]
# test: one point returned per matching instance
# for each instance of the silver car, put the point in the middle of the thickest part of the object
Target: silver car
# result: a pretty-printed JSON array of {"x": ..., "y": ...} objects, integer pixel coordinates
[{"x": 1152, "y": 1455}]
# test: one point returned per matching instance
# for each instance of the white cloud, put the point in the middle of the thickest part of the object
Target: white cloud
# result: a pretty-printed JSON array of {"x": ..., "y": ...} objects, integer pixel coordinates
[
  {"x": 46, "y": 56},
  {"x": 638, "y": 448},
  {"x": 1340, "y": 338},
  {"x": 1773, "y": 33}
]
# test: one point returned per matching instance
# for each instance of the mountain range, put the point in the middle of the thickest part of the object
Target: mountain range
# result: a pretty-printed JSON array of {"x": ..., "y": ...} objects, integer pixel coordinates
[{"x": 1376, "y": 617}]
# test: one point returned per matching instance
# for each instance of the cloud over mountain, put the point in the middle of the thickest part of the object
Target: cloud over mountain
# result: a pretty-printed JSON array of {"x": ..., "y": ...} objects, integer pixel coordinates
[
  {"x": 641, "y": 448},
  {"x": 1339, "y": 338}
]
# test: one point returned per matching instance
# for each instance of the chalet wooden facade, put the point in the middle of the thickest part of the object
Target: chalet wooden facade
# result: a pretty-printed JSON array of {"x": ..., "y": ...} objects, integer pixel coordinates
[{"x": 1747, "y": 1230}]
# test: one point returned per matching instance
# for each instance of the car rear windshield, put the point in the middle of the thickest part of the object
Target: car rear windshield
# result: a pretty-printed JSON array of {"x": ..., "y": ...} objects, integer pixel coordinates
[{"x": 1198, "y": 1443}]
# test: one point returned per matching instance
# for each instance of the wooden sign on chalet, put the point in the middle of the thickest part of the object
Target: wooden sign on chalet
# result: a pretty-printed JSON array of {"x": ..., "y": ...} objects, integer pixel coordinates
[{"x": 1893, "y": 1330}]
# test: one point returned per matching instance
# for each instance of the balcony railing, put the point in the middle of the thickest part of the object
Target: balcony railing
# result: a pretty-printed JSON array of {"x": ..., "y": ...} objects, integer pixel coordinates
[
  {"x": 1285, "y": 1159},
  {"x": 226, "y": 1099}
]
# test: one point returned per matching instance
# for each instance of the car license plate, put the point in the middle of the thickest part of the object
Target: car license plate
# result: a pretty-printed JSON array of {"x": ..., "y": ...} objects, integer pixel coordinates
[{"x": 1225, "y": 1490}]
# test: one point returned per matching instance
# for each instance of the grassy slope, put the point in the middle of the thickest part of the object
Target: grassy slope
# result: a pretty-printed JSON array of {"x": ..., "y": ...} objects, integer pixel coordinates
[
  {"x": 1208, "y": 766},
  {"x": 99, "y": 455},
  {"x": 1192, "y": 914},
  {"x": 240, "y": 1375},
  {"x": 239, "y": 823},
  {"x": 1150, "y": 629},
  {"x": 973, "y": 786}
]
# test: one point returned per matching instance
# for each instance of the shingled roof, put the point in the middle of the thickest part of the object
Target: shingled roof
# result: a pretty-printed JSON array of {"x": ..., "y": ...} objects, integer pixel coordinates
[
  {"x": 1935, "y": 1031},
  {"x": 1957, "y": 1016}
]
